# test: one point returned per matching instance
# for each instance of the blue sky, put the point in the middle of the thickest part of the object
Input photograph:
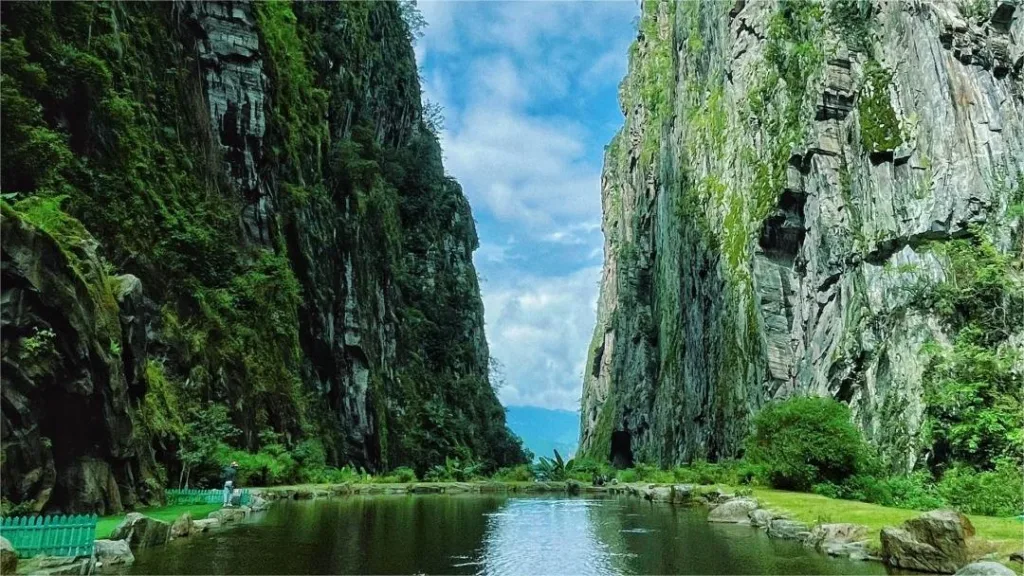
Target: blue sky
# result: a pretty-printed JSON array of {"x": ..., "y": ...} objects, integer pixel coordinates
[{"x": 529, "y": 92}]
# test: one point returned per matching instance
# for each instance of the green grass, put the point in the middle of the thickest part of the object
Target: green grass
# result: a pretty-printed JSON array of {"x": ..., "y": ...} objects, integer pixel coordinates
[
  {"x": 106, "y": 524},
  {"x": 1005, "y": 533}
]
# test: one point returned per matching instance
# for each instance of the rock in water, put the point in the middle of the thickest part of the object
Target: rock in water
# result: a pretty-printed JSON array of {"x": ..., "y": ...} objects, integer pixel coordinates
[
  {"x": 205, "y": 524},
  {"x": 142, "y": 531},
  {"x": 111, "y": 554},
  {"x": 736, "y": 511},
  {"x": 761, "y": 517},
  {"x": 788, "y": 529},
  {"x": 985, "y": 569},
  {"x": 8, "y": 557},
  {"x": 933, "y": 542},
  {"x": 183, "y": 526}
]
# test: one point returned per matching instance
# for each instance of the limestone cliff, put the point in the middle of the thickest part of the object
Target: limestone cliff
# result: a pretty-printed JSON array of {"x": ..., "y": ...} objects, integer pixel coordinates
[
  {"x": 785, "y": 180},
  {"x": 228, "y": 204}
]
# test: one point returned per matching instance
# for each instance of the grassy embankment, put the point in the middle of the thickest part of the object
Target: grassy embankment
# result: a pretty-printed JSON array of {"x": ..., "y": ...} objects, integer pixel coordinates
[{"x": 106, "y": 524}]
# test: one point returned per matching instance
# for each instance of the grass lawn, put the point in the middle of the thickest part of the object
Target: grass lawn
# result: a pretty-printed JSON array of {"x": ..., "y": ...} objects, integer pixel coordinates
[
  {"x": 1006, "y": 533},
  {"x": 106, "y": 524}
]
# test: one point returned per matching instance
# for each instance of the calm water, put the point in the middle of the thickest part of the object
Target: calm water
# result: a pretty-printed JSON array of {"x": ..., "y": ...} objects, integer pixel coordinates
[{"x": 483, "y": 534}]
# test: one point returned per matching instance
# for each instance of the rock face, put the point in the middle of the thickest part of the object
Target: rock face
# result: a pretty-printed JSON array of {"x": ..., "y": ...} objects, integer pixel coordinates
[
  {"x": 141, "y": 531},
  {"x": 286, "y": 243},
  {"x": 766, "y": 226},
  {"x": 735, "y": 511},
  {"x": 8, "y": 557},
  {"x": 933, "y": 542}
]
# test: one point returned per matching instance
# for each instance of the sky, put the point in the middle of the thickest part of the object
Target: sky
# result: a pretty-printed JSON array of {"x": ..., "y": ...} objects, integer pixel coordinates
[{"x": 529, "y": 95}]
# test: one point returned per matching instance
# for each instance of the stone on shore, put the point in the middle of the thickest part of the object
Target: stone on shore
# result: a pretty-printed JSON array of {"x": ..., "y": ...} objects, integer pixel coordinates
[
  {"x": 8, "y": 557},
  {"x": 761, "y": 517},
  {"x": 683, "y": 493},
  {"x": 935, "y": 541},
  {"x": 786, "y": 529},
  {"x": 985, "y": 569},
  {"x": 205, "y": 524},
  {"x": 112, "y": 554},
  {"x": 183, "y": 526},
  {"x": 735, "y": 511},
  {"x": 142, "y": 531}
]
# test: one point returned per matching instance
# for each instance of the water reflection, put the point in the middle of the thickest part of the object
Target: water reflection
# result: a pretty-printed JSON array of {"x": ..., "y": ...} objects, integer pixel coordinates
[
  {"x": 544, "y": 536},
  {"x": 489, "y": 535}
]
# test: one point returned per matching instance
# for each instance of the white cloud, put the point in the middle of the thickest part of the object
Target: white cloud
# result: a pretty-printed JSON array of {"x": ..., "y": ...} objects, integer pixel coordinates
[
  {"x": 528, "y": 90},
  {"x": 539, "y": 329}
]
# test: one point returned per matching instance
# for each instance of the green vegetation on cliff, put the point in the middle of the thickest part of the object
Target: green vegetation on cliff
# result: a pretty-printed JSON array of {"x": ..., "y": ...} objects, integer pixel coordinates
[{"x": 309, "y": 295}]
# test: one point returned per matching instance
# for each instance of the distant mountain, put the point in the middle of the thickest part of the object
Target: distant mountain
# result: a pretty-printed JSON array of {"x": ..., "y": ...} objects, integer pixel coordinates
[{"x": 544, "y": 430}]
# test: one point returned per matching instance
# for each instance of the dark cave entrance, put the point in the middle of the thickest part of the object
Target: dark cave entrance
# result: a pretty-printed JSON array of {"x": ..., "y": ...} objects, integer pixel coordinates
[{"x": 622, "y": 451}]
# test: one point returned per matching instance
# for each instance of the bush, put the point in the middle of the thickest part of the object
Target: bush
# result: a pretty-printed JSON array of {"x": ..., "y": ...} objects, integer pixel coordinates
[
  {"x": 805, "y": 441},
  {"x": 645, "y": 473},
  {"x": 520, "y": 473},
  {"x": 992, "y": 493},
  {"x": 400, "y": 475},
  {"x": 915, "y": 491}
]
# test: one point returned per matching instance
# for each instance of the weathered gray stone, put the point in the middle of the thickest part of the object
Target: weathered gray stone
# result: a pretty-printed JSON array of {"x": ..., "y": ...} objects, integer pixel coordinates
[
  {"x": 8, "y": 557},
  {"x": 985, "y": 568},
  {"x": 835, "y": 535},
  {"x": 183, "y": 526},
  {"x": 786, "y": 529},
  {"x": 205, "y": 524},
  {"x": 683, "y": 493},
  {"x": 142, "y": 531},
  {"x": 113, "y": 554},
  {"x": 933, "y": 542},
  {"x": 735, "y": 511},
  {"x": 761, "y": 517}
]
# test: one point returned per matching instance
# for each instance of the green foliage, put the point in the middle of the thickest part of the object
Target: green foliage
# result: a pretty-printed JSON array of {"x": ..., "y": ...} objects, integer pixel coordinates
[
  {"x": 273, "y": 464},
  {"x": 206, "y": 431},
  {"x": 454, "y": 470},
  {"x": 400, "y": 475},
  {"x": 161, "y": 410},
  {"x": 39, "y": 342},
  {"x": 706, "y": 473},
  {"x": 804, "y": 441},
  {"x": 520, "y": 473},
  {"x": 880, "y": 129},
  {"x": 998, "y": 492},
  {"x": 645, "y": 473},
  {"x": 974, "y": 408},
  {"x": 554, "y": 469},
  {"x": 852, "y": 18}
]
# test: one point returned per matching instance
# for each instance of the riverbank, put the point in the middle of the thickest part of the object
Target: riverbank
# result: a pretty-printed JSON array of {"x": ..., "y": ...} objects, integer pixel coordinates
[
  {"x": 994, "y": 538},
  {"x": 807, "y": 517}
]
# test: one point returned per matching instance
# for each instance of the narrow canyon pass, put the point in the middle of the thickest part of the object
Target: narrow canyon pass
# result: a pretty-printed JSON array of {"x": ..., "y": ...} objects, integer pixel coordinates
[
  {"x": 800, "y": 200},
  {"x": 228, "y": 222}
]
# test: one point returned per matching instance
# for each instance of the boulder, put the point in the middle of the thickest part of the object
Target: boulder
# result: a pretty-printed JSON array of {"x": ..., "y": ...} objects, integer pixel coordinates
[
  {"x": 825, "y": 536},
  {"x": 58, "y": 566},
  {"x": 985, "y": 569},
  {"x": 659, "y": 493},
  {"x": 735, "y": 511},
  {"x": 786, "y": 529},
  {"x": 761, "y": 517},
  {"x": 1017, "y": 556},
  {"x": 683, "y": 493},
  {"x": 573, "y": 488},
  {"x": 225, "y": 515},
  {"x": 205, "y": 524},
  {"x": 935, "y": 541},
  {"x": 717, "y": 496},
  {"x": 258, "y": 503},
  {"x": 8, "y": 557},
  {"x": 111, "y": 554},
  {"x": 183, "y": 526},
  {"x": 142, "y": 531}
]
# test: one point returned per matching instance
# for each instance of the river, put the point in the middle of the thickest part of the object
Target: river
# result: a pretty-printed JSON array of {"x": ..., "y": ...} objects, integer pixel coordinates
[{"x": 486, "y": 534}]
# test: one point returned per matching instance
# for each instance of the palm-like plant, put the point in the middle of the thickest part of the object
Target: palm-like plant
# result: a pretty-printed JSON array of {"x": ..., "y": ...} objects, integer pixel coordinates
[{"x": 554, "y": 469}]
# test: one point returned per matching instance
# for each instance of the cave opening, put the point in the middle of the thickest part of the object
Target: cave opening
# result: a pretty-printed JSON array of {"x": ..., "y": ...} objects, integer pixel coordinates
[{"x": 622, "y": 451}]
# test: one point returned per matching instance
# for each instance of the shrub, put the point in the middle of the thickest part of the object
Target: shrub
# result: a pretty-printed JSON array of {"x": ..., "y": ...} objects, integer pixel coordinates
[
  {"x": 645, "y": 473},
  {"x": 993, "y": 493},
  {"x": 400, "y": 475},
  {"x": 520, "y": 473},
  {"x": 915, "y": 491},
  {"x": 804, "y": 441}
]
